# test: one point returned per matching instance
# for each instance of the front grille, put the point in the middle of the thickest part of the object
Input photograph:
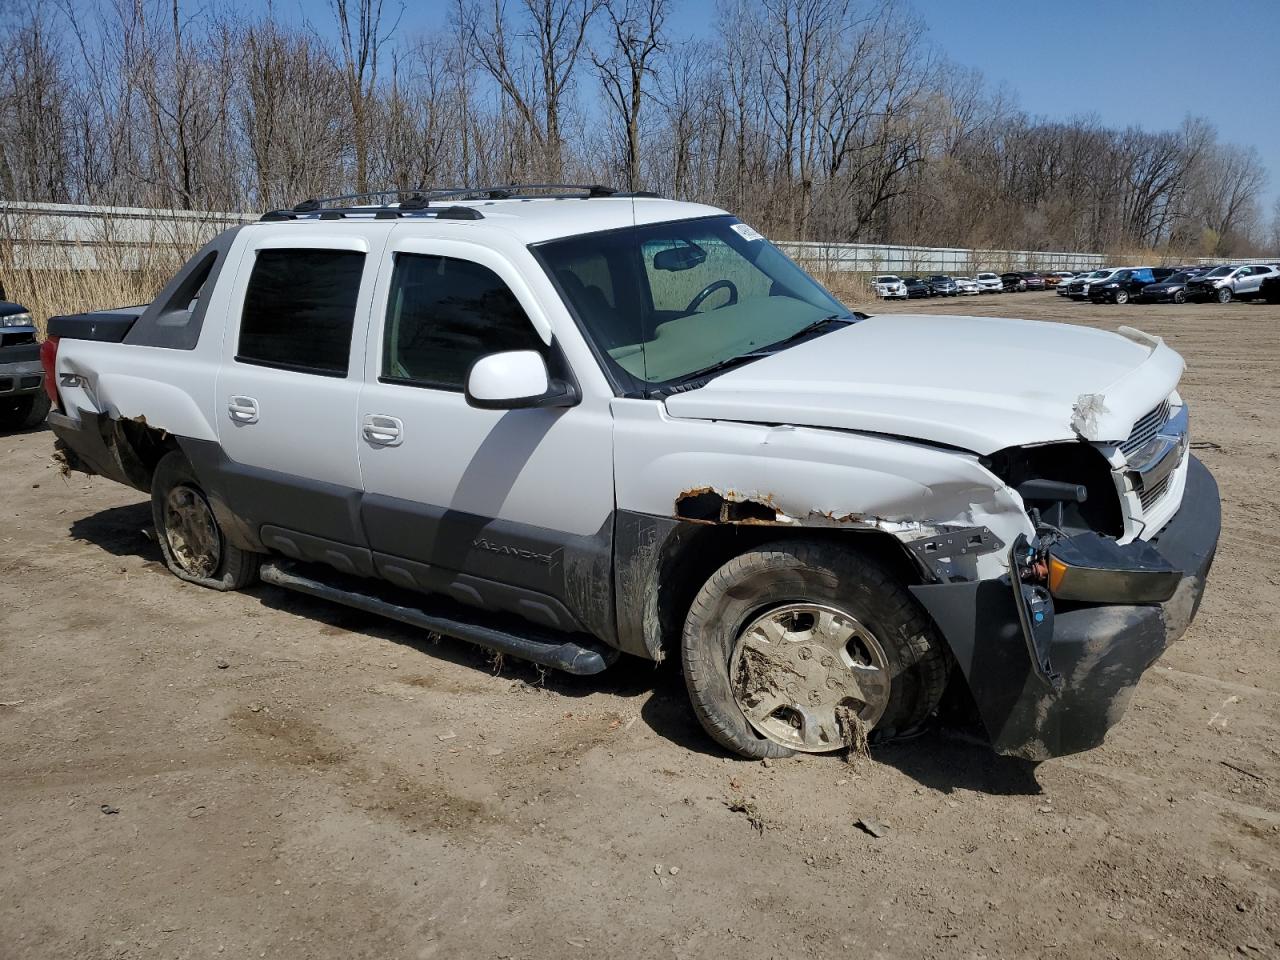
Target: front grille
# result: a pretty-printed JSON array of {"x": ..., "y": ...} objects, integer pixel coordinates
[
  {"x": 17, "y": 339},
  {"x": 1145, "y": 429},
  {"x": 1152, "y": 494}
]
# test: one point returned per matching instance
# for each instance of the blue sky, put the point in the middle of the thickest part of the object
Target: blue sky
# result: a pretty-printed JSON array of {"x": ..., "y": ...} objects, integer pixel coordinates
[{"x": 1143, "y": 62}]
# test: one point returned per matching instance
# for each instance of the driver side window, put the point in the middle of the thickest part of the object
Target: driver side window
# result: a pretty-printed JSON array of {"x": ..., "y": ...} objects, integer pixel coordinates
[{"x": 443, "y": 314}]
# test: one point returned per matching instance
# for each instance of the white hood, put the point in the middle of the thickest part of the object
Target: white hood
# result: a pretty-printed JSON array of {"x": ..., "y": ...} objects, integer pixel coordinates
[{"x": 978, "y": 383}]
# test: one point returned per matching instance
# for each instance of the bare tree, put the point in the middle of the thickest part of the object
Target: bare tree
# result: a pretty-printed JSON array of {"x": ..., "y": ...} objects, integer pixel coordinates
[
  {"x": 535, "y": 70},
  {"x": 361, "y": 41},
  {"x": 635, "y": 41}
]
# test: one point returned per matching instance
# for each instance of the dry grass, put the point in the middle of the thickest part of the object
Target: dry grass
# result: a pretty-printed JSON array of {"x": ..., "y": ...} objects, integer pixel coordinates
[{"x": 114, "y": 265}]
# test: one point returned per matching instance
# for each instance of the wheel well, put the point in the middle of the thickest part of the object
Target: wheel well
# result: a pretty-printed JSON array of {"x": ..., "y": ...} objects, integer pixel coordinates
[
  {"x": 138, "y": 448},
  {"x": 707, "y": 548}
]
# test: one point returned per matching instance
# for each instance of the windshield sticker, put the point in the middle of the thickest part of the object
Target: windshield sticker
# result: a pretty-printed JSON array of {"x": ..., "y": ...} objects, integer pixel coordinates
[{"x": 745, "y": 232}]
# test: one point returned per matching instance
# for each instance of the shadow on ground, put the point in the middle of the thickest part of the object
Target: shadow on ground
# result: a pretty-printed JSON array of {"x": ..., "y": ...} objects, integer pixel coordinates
[{"x": 938, "y": 759}]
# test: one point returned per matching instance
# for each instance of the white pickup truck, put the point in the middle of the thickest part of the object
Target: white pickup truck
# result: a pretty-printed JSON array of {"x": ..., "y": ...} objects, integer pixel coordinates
[{"x": 575, "y": 424}]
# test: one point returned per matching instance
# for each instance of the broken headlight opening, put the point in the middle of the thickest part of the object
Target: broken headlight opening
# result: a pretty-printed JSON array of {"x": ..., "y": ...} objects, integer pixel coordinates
[{"x": 1068, "y": 488}]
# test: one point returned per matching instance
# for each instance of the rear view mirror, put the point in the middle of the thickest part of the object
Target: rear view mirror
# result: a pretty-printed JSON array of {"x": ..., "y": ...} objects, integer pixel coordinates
[
  {"x": 516, "y": 380},
  {"x": 684, "y": 257}
]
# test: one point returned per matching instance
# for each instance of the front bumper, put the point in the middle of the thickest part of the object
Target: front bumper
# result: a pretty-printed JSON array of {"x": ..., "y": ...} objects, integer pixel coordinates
[
  {"x": 20, "y": 377},
  {"x": 1099, "y": 651}
]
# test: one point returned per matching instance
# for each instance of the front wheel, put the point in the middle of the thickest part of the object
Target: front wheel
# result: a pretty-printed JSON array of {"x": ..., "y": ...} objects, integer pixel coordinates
[
  {"x": 1224, "y": 295},
  {"x": 1179, "y": 296},
  {"x": 785, "y": 645},
  {"x": 23, "y": 413},
  {"x": 193, "y": 544},
  {"x": 1122, "y": 296}
]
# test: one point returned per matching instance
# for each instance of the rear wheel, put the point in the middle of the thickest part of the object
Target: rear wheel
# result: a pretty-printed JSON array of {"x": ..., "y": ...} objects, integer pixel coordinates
[
  {"x": 193, "y": 544},
  {"x": 23, "y": 413},
  {"x": 784, "y": 646}
]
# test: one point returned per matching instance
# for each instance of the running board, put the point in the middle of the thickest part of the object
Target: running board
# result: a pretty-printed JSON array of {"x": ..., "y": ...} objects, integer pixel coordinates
[{"x": 536, "y": 646}]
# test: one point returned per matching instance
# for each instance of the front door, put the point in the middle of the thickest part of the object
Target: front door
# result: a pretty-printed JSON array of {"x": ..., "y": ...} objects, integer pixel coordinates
[
  {"x": 507, "y": 509},
  {"x": 287, "y": 391}
]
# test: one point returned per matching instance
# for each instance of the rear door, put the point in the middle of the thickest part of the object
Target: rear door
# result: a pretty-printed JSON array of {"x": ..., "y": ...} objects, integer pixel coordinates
[
  {"x": 506, "y": 509},
  {"x": 288, "y": 387}
]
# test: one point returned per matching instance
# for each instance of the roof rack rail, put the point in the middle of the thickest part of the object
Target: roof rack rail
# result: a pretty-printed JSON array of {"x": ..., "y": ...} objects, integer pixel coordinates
[{"x": 418, "y": 201}]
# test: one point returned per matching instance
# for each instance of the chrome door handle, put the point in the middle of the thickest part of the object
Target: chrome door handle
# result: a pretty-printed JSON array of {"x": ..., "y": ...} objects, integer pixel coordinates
[
  {"x": 383, "y": 431},
  {"x": 243, "y": 409}
]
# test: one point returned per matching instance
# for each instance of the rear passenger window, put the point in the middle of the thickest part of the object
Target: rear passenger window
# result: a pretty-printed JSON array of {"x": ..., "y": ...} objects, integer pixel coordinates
[
  {"x": 299, "y": 309},
  {"x": 444, "y": 314}
]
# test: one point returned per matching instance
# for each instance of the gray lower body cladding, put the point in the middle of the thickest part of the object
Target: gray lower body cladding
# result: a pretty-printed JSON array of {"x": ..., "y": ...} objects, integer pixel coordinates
[{"x": 1100, "y": 651}]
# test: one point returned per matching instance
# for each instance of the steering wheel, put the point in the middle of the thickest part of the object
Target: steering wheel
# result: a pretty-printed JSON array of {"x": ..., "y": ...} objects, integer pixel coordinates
[{"x": 711, "y": 288}]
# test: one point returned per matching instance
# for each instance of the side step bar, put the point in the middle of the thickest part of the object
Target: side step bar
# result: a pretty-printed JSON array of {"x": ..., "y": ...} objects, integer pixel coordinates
[{"x": 534, "y": 645}]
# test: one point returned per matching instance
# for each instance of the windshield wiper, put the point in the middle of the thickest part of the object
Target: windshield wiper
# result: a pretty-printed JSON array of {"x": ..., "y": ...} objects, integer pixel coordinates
[
  {"x": 804, "y": 332},
  {"x": 691, "y": 379}
]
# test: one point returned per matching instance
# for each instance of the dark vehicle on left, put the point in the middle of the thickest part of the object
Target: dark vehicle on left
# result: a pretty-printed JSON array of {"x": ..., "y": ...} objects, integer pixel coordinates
[
  {"x": 944, "y": 286},
  {"x": 1172, "y": 289},
  {"x": 917, "y": 288},
  {"x": 1125, "y": 285},
  {"x": 23, "y": 400}
]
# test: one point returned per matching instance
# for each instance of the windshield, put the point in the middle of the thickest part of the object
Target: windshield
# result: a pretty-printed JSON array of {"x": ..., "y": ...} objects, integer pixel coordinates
[
  {"x": 1220, "y": 272},
  {"x": 887, "y": 280},
  {"x": 667, "y": 300},
  {"x": 1178, "y": 278}
]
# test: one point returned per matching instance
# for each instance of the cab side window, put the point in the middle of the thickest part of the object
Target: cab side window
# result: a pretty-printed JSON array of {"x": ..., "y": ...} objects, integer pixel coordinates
[
  {"x": 443, "y": 314},
  {"x": 299, "y": 310}
]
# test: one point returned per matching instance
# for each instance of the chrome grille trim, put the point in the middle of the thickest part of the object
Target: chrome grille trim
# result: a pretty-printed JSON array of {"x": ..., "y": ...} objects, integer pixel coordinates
[
  {"x": 1151, "y": 496},
  {"x": 1145, "y": 429}
]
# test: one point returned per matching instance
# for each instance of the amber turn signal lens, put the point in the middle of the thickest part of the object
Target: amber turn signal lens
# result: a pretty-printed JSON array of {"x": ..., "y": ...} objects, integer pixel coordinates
[{"x": 1057, "y": 570}]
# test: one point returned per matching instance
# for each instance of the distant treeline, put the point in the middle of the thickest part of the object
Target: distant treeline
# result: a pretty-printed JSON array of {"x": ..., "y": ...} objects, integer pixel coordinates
[{"x": 813, "y": 119}]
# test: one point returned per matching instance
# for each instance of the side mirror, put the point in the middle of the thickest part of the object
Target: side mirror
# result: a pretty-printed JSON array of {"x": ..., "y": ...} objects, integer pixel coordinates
[{"x": 516, "y": 380}]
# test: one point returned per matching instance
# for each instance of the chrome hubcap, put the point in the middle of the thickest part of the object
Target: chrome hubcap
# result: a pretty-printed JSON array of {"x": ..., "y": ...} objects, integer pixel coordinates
[
  {"x": 797, "y": 668},
  {"x": 191, "y": 531}
]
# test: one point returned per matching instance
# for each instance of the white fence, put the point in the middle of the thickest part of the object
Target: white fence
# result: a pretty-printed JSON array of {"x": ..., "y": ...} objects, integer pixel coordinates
[
  {"x": 37, "y": 235},
  {"x": 888, "y": 258},
  {"x": 42, "y": 235}
]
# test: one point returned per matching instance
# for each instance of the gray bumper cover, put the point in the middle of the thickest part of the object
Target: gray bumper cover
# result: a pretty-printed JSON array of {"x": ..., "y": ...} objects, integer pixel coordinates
[{"x": 1100, "y": 651}]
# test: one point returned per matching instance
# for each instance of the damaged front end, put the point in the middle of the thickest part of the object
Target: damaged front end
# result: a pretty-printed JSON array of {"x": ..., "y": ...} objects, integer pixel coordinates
[
  {"x": 1053, "y": 650},
  {"x": 1051, "y": 675}
]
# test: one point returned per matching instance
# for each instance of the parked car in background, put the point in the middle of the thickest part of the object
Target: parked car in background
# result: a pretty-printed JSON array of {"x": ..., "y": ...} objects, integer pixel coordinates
[
  {"x": 989, "y": 283},
  {"x": 1228, "y": 283},
  {"x": 1078, "y": 289},
  {"x": 1012, "y": 282},
  {"x": 967, "y": 286},
  {"x": 889, "y": 287},
  {"x": 1034, "y": 281},
  {"x": 1123, "y": 285},
  {"x": 943, "y": 286},
  {"x": 917, "y": 288},
  {"x": 1057, "y": 277},
  {"x": 1172, "y": 288},
  {"x": 23, "y": 401},
  {"x": 1270, "y": 289}
]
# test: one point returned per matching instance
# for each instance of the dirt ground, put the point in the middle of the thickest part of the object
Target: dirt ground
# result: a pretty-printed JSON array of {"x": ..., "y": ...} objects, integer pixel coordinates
[{"x": 191, "y": 774}]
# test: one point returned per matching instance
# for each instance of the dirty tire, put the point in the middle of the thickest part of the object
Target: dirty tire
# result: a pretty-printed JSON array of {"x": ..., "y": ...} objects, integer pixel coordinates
[
  {"x": 1224, "y": 295},
  {"x": 23, "y": 413},
  {"x": 234, "y": 569},
  {"x": 804, "y": 570}
]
